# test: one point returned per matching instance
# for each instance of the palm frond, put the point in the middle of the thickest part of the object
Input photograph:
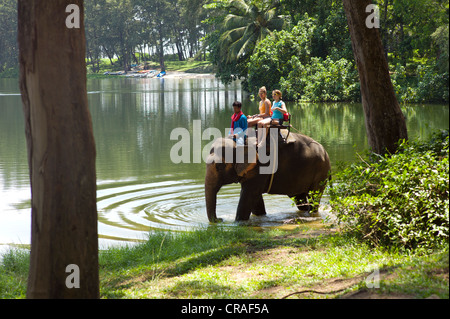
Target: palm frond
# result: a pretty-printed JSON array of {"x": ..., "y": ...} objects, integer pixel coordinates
[
  {"x": 238, "y": 6},
  {"x": 238, "y": 48},
  {"x": 231, "y": 36},
  {"x": 247, "y": 23},
  {"x": 232, "y": 21},
  {"x": 248, "y": 46}
]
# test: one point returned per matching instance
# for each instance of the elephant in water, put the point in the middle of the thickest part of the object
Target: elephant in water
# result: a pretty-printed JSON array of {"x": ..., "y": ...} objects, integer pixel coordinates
[{"x": 302, "y": 168}]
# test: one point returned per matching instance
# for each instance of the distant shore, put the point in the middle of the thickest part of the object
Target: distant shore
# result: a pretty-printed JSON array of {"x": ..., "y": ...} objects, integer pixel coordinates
[
  {"x": 188, "y": 75},
  {"x": 169, "y": 75}
]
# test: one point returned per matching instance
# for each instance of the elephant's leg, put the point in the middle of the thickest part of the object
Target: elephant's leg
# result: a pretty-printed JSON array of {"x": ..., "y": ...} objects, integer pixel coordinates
[
  {"x": 246, "y": 203},
  {"x": 301, "y": 201},
  {"x": 259, "y": 209}
]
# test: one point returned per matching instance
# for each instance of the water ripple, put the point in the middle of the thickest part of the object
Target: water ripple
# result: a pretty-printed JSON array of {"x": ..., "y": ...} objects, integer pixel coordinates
[{"x": 128, "y": 210}]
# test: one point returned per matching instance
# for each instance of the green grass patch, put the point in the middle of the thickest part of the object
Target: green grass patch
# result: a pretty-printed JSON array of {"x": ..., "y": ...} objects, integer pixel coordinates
[
  {"x": 189, "y": 66},
  {"x": 14, "y": 273},
  {"x": 240, "y": 262},
  {"x": 244, "y": 262}
]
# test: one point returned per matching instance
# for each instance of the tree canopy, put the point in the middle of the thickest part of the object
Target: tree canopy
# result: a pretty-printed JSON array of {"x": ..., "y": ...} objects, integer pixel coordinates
[{"x": 232, "y": 35}]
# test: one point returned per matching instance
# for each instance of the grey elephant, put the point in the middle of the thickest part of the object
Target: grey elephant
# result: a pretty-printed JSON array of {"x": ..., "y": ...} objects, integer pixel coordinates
[{"x": 303, "y": 168}]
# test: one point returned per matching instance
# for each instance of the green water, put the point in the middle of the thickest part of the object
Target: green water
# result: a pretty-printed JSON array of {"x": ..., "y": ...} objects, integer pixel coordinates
[{"x": 139, "y": 187}]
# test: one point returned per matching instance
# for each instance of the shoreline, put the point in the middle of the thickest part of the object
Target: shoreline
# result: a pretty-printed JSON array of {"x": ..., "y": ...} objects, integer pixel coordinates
[
  {"x": 169, "y": 75},
  {"x": 187, "y": 75}
]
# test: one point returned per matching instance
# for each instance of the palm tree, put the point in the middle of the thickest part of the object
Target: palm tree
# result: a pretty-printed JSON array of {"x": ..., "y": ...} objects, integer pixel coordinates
[{"x": 248, "y": 22}]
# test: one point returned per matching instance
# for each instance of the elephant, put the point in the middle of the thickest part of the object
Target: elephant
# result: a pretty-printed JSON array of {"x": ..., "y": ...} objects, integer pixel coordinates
[{"x": 302, "y": 173}]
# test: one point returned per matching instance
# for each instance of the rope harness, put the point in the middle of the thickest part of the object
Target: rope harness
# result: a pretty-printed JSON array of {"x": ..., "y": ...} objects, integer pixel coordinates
[
  {"x": 273, "y": 170},
  {"x": 275, "y": 158}
]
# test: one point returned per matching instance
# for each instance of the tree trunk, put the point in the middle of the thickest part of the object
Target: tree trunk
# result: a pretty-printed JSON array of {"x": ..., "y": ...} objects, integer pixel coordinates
[
  {"x": 108, "y": 55},
  {"x": 161, "y": 48},
  {"x": 61, "y": 152},
  {"x": 179, "y": 46},
  {"x": 385, "y": 122}
]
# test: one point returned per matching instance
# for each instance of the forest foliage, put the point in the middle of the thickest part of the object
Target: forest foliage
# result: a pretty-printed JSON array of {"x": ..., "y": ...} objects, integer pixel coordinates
[
  {"x": 311, "y": 57},
  {"x": 301, "y": 47}
]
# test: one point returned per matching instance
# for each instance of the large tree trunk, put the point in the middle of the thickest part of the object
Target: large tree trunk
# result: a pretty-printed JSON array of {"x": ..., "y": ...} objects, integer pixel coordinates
[
  {"x": 61, "y": 152},
  {"x": 385, "y": 122}
]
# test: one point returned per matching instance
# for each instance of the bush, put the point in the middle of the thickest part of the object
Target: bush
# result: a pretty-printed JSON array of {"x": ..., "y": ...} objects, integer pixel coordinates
[
  {"x": 321, "y": 80},
  {"x": 284, "y": 61},
  {"x": 400, "y": 200},
  {"x": 433, "y": 87},
  {"x": 272, "y": 56},
  {"x": 10, "y": 73},
  {"x": 428, "y": 84}
]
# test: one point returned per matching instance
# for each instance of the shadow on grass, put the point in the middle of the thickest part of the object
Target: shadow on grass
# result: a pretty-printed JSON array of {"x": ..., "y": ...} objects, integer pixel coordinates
[{"x": 168, "y": 254}]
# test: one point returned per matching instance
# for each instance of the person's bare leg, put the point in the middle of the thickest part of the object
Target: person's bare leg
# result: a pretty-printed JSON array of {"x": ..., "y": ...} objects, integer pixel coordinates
[
  {"x": 253, "y": 121},
  {"x": 262, "y": 131}
]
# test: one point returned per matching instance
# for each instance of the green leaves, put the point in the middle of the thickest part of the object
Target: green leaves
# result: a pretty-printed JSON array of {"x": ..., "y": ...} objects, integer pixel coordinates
[
  {"x": 241, "y": 25},
  {"x": 245, "y": 25},
  {"x": 276, "y": 55},
  {"x": 283, "y": 61},
  {"x": 400, "y": 200}
]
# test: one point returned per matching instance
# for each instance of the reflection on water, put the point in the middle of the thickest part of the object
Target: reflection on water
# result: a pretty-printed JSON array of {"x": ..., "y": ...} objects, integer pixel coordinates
[{"x": 139, "y": 188}]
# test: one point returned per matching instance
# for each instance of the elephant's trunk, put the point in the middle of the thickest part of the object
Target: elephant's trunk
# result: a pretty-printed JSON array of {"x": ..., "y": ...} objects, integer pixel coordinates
[
  {"x": 212, "y": 187},
  {"x": 211, "y": 201}
]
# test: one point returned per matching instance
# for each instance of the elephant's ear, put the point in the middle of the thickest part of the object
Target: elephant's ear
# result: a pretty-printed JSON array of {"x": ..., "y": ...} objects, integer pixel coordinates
[
  {"x": 250, "y": 162},
  {"x": 243, "y": 168},
  {"x": 213, "y": 158}
]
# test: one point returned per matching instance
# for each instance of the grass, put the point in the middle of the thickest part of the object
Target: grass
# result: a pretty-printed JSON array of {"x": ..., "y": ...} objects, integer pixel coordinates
[
  {"x": 242, "y": 262},
  {"x": 189, "y": 66},
  {"x": 14, "y": 273}
]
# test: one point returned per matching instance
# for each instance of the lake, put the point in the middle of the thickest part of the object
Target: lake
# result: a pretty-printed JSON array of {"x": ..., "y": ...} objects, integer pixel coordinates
[{"x": 139, "y": 187}]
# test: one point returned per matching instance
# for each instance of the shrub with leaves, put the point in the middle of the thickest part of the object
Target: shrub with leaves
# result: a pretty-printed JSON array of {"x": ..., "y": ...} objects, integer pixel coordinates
[
  {"x": 322, "y": 80},
  {"x": 400, "y": 200},
  {"x": 283, "y": 61},
  {"x": 272, "y": 56}
]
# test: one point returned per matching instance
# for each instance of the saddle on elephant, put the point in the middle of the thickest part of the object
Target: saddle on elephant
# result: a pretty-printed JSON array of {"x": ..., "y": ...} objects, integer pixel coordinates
[{"x": 285, "y": 129}]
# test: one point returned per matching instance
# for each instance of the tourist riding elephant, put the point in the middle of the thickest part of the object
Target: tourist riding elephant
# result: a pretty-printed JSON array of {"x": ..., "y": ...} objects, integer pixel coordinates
[{"x": 302, "y": 169}]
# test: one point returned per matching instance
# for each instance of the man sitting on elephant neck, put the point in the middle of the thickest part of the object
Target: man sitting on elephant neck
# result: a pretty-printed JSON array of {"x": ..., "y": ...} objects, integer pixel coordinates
[{"x": 238, "y": 124}]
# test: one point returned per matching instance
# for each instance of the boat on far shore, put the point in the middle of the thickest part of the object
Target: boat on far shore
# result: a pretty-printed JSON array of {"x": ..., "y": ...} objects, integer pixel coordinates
[{"x": 161, "y": 74}]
